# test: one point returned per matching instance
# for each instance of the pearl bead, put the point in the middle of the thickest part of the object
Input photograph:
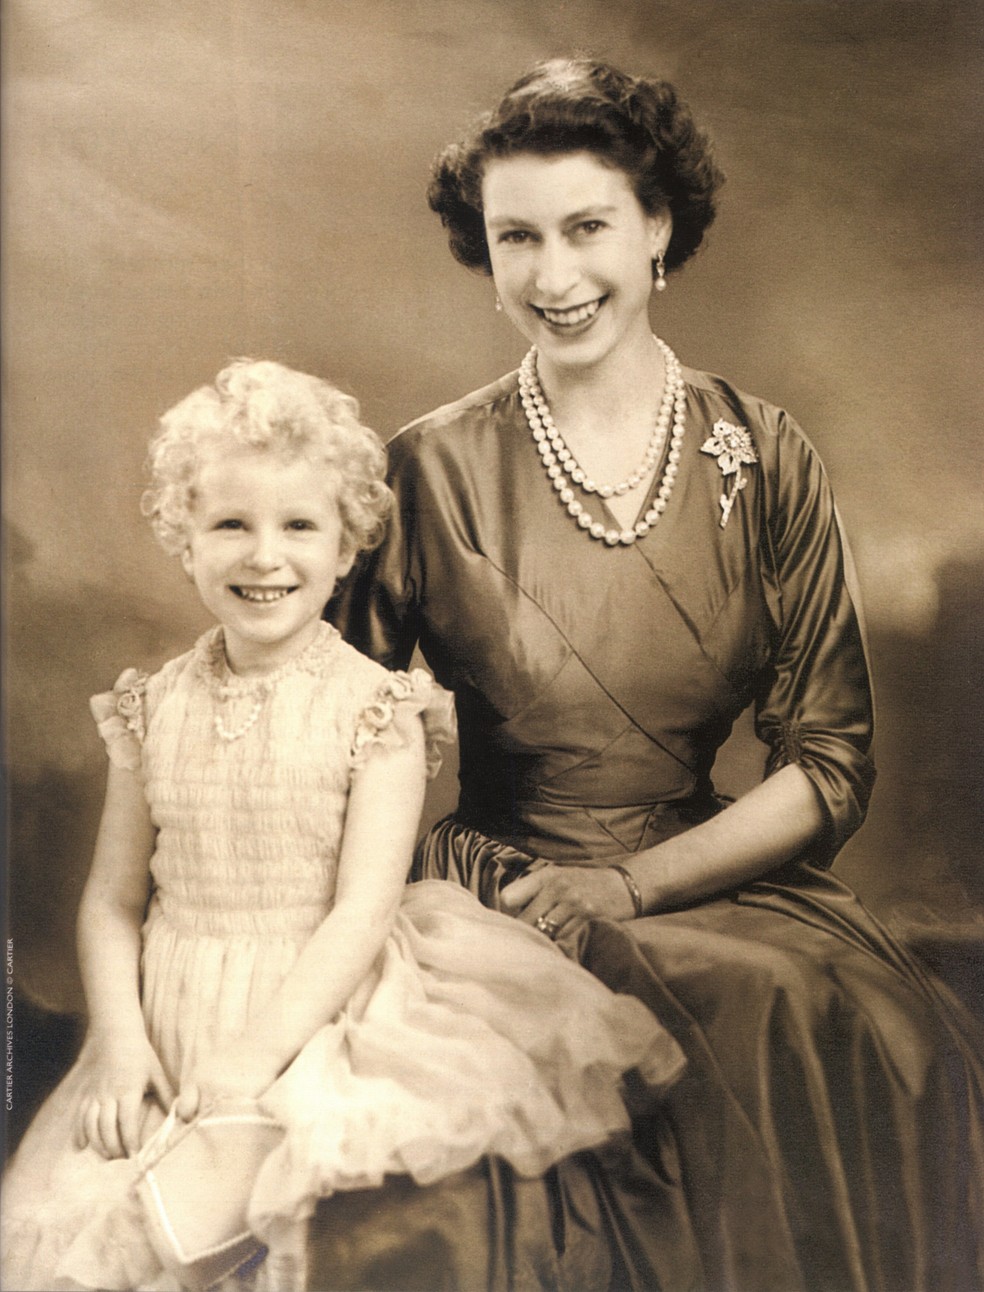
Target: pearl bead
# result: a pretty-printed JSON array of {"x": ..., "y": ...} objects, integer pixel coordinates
[
  {"x": 597, "y": 529},
  {"x": 567, "y": 494},
  {"x": 584, "y": 520}
]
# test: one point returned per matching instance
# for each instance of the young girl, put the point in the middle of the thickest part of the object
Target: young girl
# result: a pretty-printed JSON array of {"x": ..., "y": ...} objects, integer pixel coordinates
[{"x": 246, "y": 932}]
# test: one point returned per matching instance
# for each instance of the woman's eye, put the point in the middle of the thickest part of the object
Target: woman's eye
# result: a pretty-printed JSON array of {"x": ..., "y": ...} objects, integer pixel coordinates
[
  {"x": 229, "y": 523},
  {"x": 591, "y": 226},
  {"x": 514, "y": 237}
]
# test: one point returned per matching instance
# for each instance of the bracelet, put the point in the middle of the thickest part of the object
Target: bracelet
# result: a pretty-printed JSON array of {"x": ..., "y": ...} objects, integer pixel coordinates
[{"x": 633, "y": 888}]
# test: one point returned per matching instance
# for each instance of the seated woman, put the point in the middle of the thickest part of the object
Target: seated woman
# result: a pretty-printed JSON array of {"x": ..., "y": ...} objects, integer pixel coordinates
[{"x": 608, "y": 557}]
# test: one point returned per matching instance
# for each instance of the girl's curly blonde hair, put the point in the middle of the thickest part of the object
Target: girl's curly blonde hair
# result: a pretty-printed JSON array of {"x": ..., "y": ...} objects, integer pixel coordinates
[{"x": 265, "y": 405}]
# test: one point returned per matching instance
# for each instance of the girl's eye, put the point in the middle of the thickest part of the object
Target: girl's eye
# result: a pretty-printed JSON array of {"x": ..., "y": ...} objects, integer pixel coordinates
[
  {"x": 301, "y": 524},
  {"x": 229, "y": 523}
]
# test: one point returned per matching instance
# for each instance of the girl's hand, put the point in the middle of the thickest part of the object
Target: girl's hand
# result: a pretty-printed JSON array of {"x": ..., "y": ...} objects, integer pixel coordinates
[
  {"x": 127, "y": 1094},
  {"x": 234, "y": 1070},
  {"x": 561, "y": 897}
]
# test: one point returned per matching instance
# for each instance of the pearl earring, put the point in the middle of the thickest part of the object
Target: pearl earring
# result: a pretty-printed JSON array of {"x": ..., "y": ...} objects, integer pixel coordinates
[
  {"x": 498, "y": 304},
  {"x": 660, "y": 278}
]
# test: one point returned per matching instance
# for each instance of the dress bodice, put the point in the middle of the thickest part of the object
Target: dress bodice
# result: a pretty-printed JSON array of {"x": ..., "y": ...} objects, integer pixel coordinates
[
  {"x": 594, "y": 685},
  {"x": 249, "y": 827}
]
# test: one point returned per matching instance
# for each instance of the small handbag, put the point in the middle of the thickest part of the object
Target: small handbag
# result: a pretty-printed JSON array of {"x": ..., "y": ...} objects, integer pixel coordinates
[{"x": 194, "y": 1187}]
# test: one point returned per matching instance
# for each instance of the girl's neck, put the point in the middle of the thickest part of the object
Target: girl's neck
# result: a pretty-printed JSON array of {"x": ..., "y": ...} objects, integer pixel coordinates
[{"x": 248, "y": 659}]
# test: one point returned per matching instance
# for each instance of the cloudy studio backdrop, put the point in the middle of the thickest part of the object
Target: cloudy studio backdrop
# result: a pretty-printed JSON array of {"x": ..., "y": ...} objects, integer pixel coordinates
[{"x": 185, "y": 183}]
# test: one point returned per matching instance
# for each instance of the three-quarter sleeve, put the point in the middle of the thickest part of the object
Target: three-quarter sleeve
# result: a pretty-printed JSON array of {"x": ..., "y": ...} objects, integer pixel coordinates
[{"x": 816, "y": 711}]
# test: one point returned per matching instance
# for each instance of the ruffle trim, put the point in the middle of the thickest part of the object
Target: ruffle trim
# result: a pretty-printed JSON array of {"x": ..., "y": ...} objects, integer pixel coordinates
[
  {"x": 386, "y": 720},
  {"x": 120, "y": 718}
]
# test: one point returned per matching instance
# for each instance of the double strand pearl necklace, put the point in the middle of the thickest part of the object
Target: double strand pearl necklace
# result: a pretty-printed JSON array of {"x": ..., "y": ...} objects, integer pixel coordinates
[{"x": 559, "y": 462}]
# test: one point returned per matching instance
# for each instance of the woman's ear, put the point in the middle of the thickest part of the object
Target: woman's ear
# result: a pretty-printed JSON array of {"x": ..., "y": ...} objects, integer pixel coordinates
[
  {"x": 660, "y": 232},
  {"x": 188, "y": 564}
]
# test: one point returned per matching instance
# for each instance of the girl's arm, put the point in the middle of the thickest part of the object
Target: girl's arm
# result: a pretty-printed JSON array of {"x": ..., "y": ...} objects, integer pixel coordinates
[
  {"x": 769, "y": 825},
  {"x": 123, "y": 1066},
  {"x": 381, "y": 822}
]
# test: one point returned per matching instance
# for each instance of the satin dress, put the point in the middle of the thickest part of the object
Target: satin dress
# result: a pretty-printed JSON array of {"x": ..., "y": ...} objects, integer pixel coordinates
[{"x": 829, "y": 1130}]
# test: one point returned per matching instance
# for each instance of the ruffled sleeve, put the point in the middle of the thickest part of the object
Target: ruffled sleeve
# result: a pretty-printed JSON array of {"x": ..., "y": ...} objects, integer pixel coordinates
[
  {"x": 120, "y": 717},
  {"x": 817, "y": 709},
  {"x": 387, "y": 719}
]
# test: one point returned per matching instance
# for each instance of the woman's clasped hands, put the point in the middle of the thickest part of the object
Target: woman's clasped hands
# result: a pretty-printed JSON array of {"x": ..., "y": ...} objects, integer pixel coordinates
[{"x": 556, "y": 899}]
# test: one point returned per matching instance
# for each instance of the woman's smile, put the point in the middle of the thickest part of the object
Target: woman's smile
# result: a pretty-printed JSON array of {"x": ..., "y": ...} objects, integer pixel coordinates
[{"x": 572, "y": 316}]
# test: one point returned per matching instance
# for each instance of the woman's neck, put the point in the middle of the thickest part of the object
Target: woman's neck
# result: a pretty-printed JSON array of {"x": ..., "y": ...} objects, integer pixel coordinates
[{"x": 612, "y": 398}]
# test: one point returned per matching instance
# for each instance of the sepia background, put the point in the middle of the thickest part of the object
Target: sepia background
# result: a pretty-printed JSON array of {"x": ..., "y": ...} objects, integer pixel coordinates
[{"x": 185, "y": 183}]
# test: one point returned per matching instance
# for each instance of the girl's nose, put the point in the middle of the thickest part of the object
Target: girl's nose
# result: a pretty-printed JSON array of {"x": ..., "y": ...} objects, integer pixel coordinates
[
  {"x": 265, "y": 553},
  {"x": 557, "y": 269}
]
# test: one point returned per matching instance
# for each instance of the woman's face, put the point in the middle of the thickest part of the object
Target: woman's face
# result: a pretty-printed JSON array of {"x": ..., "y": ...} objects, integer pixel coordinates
[{"x": 571, "y": 250}]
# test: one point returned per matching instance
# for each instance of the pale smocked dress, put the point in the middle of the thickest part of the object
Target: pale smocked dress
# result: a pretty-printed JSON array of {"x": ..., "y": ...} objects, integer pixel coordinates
[{"x": 444, "y": 1054}]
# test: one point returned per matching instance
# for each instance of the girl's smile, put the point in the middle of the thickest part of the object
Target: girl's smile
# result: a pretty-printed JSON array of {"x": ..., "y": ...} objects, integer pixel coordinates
[{"x": 265, "y": 552}]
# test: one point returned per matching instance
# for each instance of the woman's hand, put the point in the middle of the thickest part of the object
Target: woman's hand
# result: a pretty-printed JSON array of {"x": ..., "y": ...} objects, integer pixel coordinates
[
  {"x": 233, "y": 1070},
  {"x": 555, "y": 899},
  {"x": 126, "y": 1097}
]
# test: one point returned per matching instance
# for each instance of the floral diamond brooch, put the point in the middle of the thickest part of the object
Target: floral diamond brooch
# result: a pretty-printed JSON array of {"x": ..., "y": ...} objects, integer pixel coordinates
[{"x": 732, "y": 446}]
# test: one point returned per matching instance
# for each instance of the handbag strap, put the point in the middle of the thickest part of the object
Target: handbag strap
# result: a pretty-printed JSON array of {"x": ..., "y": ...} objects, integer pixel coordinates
[{"x": 165, "y": 1137}]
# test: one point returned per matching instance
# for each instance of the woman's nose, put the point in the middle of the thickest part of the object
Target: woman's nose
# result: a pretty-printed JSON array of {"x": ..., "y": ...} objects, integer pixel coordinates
[{"x": 557, "y": 269}]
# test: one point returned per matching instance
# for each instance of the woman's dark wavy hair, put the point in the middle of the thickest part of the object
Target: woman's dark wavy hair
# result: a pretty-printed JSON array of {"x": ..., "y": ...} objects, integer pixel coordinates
[{"x": 637, "y": 124}]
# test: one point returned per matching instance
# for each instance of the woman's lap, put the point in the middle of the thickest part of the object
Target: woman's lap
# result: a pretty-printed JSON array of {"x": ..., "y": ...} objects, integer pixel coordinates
[
  {"x": 830, "y": 1120},
  {"x": 599, "y": 1222}
]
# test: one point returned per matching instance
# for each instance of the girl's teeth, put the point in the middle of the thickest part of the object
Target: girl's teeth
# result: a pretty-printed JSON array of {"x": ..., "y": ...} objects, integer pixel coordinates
[
  {"x": 258, "y": 594},
  {"x": 579, "y": 315}
]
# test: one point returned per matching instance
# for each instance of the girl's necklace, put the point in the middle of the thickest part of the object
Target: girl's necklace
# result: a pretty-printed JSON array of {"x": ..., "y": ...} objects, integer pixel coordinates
[
  {"x": 260, "y": 691},
  {"x": 559, "y": 462},
  {"x": 228, "y": 688}
]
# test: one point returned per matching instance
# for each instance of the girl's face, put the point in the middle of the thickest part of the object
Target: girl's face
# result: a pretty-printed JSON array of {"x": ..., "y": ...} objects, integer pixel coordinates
[
  {"x": 572, "y": 252},
  {"x": 264, "y": 551}
]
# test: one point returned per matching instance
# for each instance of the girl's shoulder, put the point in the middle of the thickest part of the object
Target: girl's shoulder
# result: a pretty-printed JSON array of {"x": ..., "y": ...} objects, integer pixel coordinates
[
  {"x": 121, "y": 714},
  {"x": 387, "y": 703}
]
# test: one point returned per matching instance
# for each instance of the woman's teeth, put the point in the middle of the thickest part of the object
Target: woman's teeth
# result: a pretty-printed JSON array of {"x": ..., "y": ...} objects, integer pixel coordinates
[
  {"x": 567, "y": 318},
  {"x": 261, "y": 594}
]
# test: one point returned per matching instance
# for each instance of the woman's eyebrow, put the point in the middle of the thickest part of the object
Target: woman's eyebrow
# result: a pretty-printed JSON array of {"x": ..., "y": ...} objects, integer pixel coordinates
[{"x": 501, "y": 221}]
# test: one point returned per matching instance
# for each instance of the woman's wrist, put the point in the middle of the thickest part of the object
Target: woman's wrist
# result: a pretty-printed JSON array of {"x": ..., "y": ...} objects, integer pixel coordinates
[{"x": 632, "y": 887}]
